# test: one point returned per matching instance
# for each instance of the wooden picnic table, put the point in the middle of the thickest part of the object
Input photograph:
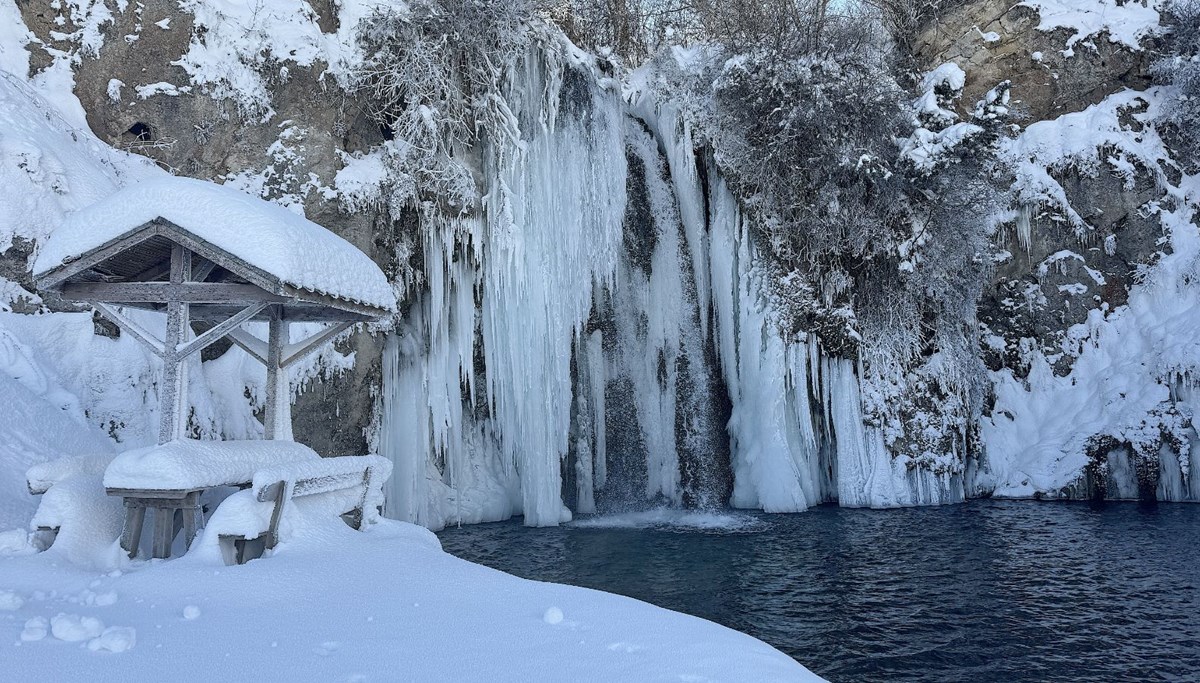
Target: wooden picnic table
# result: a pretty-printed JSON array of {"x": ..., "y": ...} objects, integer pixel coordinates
[{"x": 165, "y": 503}]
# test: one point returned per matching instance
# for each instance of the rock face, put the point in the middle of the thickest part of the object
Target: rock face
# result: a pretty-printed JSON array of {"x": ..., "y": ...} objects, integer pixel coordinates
[
  {"x": 997, "y": 40},
  {"x": 1069, "y": 261},
  {"x": 1054, "y": 273}
]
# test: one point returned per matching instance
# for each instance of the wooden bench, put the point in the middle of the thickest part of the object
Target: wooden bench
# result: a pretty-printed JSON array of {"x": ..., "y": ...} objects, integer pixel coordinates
[{"x": 364, "y": 473}]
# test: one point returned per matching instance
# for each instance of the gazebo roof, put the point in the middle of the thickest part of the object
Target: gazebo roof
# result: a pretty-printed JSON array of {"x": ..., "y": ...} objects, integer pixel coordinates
[{"x": 277, "y": 255}]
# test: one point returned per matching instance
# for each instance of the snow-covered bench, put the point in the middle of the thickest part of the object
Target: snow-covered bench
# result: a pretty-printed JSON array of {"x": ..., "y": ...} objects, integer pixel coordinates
[
  {"x": 359, "y": 477},
  {"x": 67, "y": 474}
]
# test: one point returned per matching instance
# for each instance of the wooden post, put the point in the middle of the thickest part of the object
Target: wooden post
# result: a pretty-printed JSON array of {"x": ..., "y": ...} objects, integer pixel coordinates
[
  {"x": 173, "y": 393},
  {"x": 164, "y": 531},
  {"x": 277, "y": 420},
  {"x": 135, "y": 517}
]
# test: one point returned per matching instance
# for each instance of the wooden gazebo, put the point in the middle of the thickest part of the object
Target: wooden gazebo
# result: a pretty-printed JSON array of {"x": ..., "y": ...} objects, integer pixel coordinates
[{"x": 212, "y": 259}]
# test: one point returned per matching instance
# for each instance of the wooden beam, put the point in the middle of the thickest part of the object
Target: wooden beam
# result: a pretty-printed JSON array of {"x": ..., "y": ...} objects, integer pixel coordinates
[
  {"x": 218, "y": 331},
  {"x": 306, "y": 296},
  {"x": 131, "y": 328},
  {"x": 212, "y": 252},
  {"x": 172, "y": 398},
  {"x": 98, "y": 255},
  {"x": 278, "y": 401},
  {"x": 161, "y": 292},
  {"x": 203, "y": 270},
  {"x": 295, "y": 352},
  {"x": 252, "y": 345}
]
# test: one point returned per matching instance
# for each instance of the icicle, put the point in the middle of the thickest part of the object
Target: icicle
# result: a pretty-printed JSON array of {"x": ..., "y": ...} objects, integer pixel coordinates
[{"x": 1024, "y": 226}]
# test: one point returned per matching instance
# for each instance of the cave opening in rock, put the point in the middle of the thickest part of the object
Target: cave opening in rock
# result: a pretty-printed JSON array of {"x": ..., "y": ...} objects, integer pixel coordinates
[{"x": 141, "y": 132}]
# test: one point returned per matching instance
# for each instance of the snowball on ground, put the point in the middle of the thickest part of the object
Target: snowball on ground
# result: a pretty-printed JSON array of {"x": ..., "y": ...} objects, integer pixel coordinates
[
  {"x": 191, "y": 464},
  {"x": 265, "y": 235}
]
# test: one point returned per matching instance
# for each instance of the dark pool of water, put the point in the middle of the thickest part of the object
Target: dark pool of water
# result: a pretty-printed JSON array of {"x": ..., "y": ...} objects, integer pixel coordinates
[{"x": 984, "y": 591}]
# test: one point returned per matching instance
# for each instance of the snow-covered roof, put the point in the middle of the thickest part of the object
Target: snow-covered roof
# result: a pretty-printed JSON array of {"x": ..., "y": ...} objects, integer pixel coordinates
[
  {"x": 190, "y": 464},
  {"x": 267, "y": 236}
]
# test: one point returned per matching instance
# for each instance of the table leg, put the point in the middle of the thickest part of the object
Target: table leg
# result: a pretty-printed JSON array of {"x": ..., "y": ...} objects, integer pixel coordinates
[
  {"x": 193, "y": 517},
  {"x": 164, "y": 528},
  {"x": 135, "y": 517}
]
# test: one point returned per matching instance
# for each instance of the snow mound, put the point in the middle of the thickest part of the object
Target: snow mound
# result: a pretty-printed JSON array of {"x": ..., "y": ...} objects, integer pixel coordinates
[
  {"x": 266, "y": 235},
  {"x": 35, "y": 629},
  {"x": 190, "y": 464},
  {"x": 114, "y": 639},
  {"x": 10, "y": 601},
  {"x": 74, "y": 628},
  {"x": 42, "y": 476}
]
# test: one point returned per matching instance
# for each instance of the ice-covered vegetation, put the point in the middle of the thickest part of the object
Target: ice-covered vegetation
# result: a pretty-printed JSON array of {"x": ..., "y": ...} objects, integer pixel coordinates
[{"x": 1180, "y": 68}]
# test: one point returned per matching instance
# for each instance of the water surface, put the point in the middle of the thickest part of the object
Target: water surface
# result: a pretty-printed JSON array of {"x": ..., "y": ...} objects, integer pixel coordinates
[{"x": 984, "y": 591}]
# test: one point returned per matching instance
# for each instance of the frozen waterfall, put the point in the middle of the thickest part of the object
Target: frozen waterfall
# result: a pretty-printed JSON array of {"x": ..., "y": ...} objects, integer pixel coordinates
[{"x": 600, "y": 338}]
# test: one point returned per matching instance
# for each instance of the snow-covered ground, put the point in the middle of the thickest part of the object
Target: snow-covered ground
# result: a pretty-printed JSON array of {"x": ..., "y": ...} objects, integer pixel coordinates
[{"x": 339, "y": 605}]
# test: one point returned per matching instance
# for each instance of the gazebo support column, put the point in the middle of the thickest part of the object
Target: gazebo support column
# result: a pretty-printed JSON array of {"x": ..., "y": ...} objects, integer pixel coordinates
[
  {"x": 277, "y": 420},
  {"x": 173, "y": 393}
]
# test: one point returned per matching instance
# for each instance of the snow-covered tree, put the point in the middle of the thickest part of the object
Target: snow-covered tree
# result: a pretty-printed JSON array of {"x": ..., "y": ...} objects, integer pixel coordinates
[{"x": 1181, "y": 68}]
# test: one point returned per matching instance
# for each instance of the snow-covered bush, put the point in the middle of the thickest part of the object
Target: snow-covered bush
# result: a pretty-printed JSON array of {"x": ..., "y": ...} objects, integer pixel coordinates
[
  {"x": 632, "y": 30},
  {"x": 432, "y": 75},
  {"x": 1181, "y": 68},
  {"x": 809, "y": 140},
  {"x": 904, "y": 19}
]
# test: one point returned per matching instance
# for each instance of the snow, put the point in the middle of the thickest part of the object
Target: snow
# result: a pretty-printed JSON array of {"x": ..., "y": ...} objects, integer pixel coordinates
[
  {"x": 299, "y": 252},
  {"x": 35, "y": 629},
  {"x": 114, "y": 639},
  {"x": 14, "y": 36},
  {"x": 73, "y": 628},
  {"x": 114, "y": 89},
  {"x": 238, "y": 48},
  {"x": 49, "y": 166},
  {"x": 1130, "y": 360},
  {"x": 152, "y": 89},
  {"x": 192, "y": 464},
  {"x": 41, "y": 477},
  {"x": 1083, "y": 140},
  {"x": 926, "y": 148},
  {"x": 10, "y": 601},
  {"x": 1127, "y": 22},
  {"x": 42, "y": 421},
  {"x": 335, "y": 604}
]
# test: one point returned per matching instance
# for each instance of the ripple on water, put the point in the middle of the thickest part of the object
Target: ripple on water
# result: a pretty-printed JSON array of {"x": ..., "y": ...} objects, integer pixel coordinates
[
  {"x": 668, "y": 519},
  {"x": 984, "y": 591}
]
